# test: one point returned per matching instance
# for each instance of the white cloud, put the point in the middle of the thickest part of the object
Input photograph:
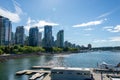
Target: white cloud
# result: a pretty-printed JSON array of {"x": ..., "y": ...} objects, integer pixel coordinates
[
  {"x": 111, "y": 39},
  {"x": 41, "y": 30},
  {"x": 116, "y": 39},
  {"x": 99, "y": 40},
  {"x": 91, "y": 23},
  {"x": 108, "y": 13},
  {"x": 107, "y": 27},
  {"x": 13, "y": 16},
  {"x": 17, "y": 7},
  {"x": 112, "y": 29},
  {"x": 42, "y": 23},
  {"x": 105, "y": 14},
  {"x": 39, "y": 23},
  {"x": 87, "y": 34},
  {"x": 88, "y": 29}
]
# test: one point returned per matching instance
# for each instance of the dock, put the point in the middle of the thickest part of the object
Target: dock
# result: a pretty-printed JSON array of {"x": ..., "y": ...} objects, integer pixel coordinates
[
  {"x": 47, "y": 77},
  {"x": 103, "y": 74},
  {"x": 45, "y": 74},
  {"x": 41, "y": 67},
  {"x": 28, "y": 72},
  {"x": 35, "y": 76},
  {"x": 31, "y": 72},
  {"x": 21, "y": 72}
]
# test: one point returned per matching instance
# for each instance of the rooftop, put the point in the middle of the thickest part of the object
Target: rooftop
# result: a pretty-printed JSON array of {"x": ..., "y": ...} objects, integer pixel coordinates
[{"x": 70, "y": 68}]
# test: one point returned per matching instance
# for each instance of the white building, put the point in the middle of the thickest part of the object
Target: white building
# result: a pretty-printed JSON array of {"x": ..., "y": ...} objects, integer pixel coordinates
[{"x": 62, "y": 73}]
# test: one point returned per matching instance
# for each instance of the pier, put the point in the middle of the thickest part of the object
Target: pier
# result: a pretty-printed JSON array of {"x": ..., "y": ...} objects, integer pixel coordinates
[
  {"x": 21, "y": 72},
  {"x": 44, "y": 74},
  {"x": 41, "y": 67},
  {"x": 31, "y": 72},
  {"x": 37, "y": 75},
  {"x": 105, "y": 74},
  {"x": 47, "y": 77}
]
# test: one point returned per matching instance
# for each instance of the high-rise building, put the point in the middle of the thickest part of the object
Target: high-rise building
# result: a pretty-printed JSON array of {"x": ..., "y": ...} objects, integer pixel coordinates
[
  {"x": 19, "y": 35},
  {"x": 33, "y": 36},
  {"x": 5, "y": 31},
  {"x": 39, "y": 39},
  {"x": 48, "y": 39},
  {"x": 89, "y": 46},
  {"x": 12, "y": 38},
  {"x": 26, "y": 42},
  {"x": 60, "y": 39}
]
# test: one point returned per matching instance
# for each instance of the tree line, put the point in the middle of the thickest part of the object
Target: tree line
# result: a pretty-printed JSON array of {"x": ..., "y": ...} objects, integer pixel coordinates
[{"x": 19, "y": 49}]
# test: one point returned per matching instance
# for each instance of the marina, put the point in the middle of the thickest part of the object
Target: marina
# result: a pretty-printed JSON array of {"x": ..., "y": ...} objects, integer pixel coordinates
[{"x": 71, "y": 73}]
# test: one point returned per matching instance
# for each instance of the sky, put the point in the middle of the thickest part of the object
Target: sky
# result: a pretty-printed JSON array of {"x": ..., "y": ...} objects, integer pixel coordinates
[{"x": 84, "y": 21}]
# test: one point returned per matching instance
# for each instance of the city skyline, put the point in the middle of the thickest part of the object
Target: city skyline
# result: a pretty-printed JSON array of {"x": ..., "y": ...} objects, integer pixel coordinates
[{"x": 95, "y": 22}]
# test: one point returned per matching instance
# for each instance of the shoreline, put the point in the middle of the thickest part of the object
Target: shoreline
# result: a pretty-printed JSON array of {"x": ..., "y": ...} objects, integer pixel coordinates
[{"x": 6, "y": 57}]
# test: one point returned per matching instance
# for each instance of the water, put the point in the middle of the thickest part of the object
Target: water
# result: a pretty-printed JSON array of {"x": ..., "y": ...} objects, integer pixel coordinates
[{"x": 90, "y": 59}]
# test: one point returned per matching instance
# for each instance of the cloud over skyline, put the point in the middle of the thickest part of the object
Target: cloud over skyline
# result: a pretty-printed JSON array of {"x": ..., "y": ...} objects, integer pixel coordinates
[
  {"x": 115, "y": 39},
  {"x": 91, "y": 23},
  {"x": 13, "y": 16},
  {"x": 113, "y": 29},
  {"x": 39, "y": 23},
  {"x": 110, "y": 39}
]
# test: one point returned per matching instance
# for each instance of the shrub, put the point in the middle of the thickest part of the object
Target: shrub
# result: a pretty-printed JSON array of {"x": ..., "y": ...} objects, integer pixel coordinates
[{"x": 1, "y": 52}]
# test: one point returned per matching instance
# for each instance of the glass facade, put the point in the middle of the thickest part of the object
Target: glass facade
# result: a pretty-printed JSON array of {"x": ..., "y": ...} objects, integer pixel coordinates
[
  {"x": 48, "y": 39},
  {"x": 19, "y": 35},
  {"x": 5, "y": 31},
  {"x": 33, "y": 36},
  {"x": 60, "y": 39}
]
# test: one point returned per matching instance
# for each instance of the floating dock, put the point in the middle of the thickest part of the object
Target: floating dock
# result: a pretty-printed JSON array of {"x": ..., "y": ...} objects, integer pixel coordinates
[
  {"x": 31, "y": 72},
  {"x": 21, "y": 72},
  {"x": 41, "y": 67},
  {"x": 37, "y": 75},
  {"x": 44, "y": 74},
  {"x": 47, "y": 77}
]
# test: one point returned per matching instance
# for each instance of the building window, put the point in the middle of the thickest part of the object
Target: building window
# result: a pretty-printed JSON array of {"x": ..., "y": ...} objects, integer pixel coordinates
[{"x": 79, "y": 73}]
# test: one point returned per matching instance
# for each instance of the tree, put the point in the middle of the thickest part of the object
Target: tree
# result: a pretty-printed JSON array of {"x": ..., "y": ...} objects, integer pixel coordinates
[{"x": 1, "y": 52}]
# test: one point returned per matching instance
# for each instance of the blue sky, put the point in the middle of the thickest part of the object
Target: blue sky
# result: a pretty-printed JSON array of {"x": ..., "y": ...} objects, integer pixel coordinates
[{"x": 84, "y": 21}]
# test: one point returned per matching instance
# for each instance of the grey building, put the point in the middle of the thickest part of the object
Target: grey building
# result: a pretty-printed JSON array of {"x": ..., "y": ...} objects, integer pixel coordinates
[
  {"x": 39, "y": 39},
  {"x": 60, "y": 39},
  {"x": 19, "y": 35},
  {"x": 89, "y": 46},
  {"x": 48, "y": 39},
  {"x": 33, "y": 36},
  {"x": 12, "y": 38},
  {"x": 5, "y": 31}
]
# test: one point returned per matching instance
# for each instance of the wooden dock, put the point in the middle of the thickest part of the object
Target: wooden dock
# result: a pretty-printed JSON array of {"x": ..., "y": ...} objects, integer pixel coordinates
[
  {"x": 47, "y": 77},
  {"x": 31, "y": 72},
  {"x": 37, "y": 75},
  {"x": 41, "y": 67},
  {"x": 21, "y": 72},
  {"x": 28, "y": 72},
  {"x": 44, "y": 73},
  {"x": 101, "y": 74}
]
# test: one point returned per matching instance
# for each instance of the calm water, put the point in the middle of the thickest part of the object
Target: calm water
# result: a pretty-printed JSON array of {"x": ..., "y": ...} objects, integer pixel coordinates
[{"x": 9, "y": 68}]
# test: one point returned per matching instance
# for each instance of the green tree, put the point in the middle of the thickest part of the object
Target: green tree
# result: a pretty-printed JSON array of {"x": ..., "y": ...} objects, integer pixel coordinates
[{"x": 1, "y": 52}]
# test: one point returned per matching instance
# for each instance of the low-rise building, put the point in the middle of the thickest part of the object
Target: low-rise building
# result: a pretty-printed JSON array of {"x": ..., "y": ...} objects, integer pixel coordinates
[{"x": 63, "y": 73}]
